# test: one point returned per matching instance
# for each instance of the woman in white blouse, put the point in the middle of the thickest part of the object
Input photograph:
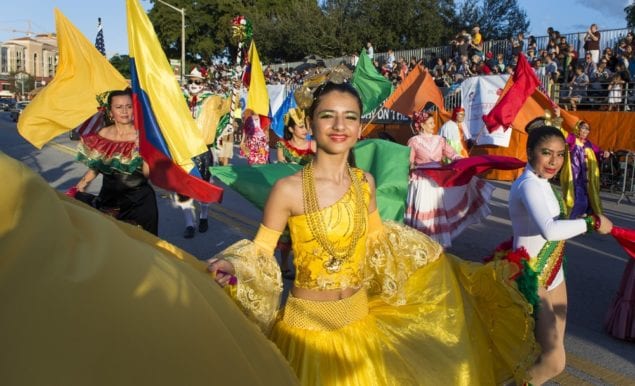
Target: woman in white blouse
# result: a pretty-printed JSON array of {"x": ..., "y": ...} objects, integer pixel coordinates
[{"x": 539, "y": 225}]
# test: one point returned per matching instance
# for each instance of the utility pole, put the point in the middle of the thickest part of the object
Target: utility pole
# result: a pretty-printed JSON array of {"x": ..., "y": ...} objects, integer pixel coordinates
[{"x": 182, "y": 12}]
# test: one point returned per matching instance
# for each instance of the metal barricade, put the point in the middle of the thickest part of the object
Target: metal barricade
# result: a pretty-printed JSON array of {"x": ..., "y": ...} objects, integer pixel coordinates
[{"x": 626, "y": 161}]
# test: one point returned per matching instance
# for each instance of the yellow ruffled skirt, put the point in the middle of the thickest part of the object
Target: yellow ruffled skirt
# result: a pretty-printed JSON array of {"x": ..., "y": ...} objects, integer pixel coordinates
[{"x": 462, "y": 323}]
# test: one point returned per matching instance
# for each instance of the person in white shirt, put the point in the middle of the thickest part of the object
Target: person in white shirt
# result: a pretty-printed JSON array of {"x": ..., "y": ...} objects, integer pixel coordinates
[
  {"x": 540, "y": 227},
  {"x": 369, "y": 50}
]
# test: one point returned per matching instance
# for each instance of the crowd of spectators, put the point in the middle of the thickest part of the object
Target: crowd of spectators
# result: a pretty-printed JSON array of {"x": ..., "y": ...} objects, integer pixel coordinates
[{"x": 598, "y": 80}]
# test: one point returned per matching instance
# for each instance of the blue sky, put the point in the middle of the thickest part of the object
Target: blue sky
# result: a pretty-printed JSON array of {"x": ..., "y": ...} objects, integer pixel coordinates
[{"x": 564, "y": 15}]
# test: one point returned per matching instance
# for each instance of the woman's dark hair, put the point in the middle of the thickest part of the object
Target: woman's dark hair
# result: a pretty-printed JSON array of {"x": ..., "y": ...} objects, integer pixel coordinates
[
  {"x": 540, "y": 135},
  {"x": 115, "y": 93},
  {"x": 287, "y": 134},
  {"x": 126, "y": 92},
  {"x": 328, "y": 87}
]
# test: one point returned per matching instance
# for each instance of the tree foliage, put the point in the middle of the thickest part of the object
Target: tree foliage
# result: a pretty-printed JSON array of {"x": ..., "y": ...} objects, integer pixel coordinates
[
  {"x": 630, "y": 15},
  {"x": 122, "y": 64},
  {"x": 498, "y": 19},
  {"x": 288, "y": 30}
]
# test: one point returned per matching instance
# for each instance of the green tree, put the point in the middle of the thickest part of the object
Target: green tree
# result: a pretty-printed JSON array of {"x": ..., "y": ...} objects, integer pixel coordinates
[
  {"x": 122, "y": 64},
  {"x": 630, "y": 15},
  {"x": 498, "y": 19}
]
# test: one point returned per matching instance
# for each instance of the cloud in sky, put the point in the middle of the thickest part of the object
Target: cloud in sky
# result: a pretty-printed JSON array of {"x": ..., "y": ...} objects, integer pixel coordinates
[{"x": 611, "y": 8}]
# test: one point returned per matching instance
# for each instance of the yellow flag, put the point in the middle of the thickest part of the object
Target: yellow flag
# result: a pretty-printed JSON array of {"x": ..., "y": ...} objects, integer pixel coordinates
[
  {"x": 70, "y": 98},
  {"x": 212, "y": 111},
  {"x": 257, "y": 97}
]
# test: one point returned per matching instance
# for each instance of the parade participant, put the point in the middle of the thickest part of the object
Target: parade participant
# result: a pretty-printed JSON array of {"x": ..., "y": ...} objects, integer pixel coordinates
[
  {"x": 580, "y": 179},
  {"x": 113, "y": 152},
  {"x": 372, "y": 302},
  {"x": 453, "y": 133},
  {"x": 441, "y": 213},
  {"x": 255, "y": 141},
  {"x": 619, "y": 321},
  {"x": 295, "y": 148},
  {"x": 540, "y": 229},
  {"x": 196, "y": 94}
]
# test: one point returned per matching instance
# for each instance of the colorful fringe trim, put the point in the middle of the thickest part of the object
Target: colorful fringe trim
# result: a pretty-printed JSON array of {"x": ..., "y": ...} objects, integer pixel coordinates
[{"x": 525, "y": 277}]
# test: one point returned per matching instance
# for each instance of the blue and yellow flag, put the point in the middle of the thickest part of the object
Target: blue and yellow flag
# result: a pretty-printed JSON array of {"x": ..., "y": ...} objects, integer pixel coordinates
[
  {"x": 71, "y": 97},
  {"x": 168, "y": 135}
]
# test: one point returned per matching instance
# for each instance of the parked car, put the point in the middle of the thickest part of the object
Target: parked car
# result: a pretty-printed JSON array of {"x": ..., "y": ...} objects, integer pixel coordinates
[
  {"x": 17, "y": 110},
  {"x": 6, "y": 104}
]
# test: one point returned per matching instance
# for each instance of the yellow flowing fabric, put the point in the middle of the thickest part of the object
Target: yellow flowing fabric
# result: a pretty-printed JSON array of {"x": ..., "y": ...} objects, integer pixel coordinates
[
  {"x": 88, "y": 300},
  {"x": 420, "y": 317}
]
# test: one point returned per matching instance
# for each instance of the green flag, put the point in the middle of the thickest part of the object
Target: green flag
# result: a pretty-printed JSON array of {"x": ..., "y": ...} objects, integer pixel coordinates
[
  {"x": 388, "y": 162},
  {"x": 373, "y": 87}
]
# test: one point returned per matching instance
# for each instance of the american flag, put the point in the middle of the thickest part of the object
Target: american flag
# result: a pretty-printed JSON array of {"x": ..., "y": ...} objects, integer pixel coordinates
[
  {"x": 89, "y": 126},
  {"x": 99, "y": 40}
]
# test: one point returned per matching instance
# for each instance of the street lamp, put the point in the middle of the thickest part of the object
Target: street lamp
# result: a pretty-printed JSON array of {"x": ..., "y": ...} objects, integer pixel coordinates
[{"x": 182, "y": 12}]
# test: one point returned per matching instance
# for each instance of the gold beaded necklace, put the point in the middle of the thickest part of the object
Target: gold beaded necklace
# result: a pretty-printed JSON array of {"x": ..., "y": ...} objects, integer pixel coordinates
[{"x": 337, "y": 256}]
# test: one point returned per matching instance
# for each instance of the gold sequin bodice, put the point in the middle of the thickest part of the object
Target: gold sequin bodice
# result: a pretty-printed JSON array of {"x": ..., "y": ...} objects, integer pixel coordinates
[{"x": 311, "y": 260}]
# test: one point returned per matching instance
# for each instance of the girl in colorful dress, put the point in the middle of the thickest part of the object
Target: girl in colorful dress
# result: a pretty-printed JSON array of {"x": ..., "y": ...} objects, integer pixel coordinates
[
  {"x": 441, "y": 213},
  {"x": 297, "y": 149},
  {"x": 372, "y": 303},
  {"x": 113, "y": 152},
  {"x": 540, "y": 228},
  {"x": 255, "y": 141}
]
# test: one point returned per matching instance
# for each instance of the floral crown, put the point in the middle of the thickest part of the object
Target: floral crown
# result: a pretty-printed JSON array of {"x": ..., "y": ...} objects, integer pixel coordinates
[
  {"x": 296, "y": 114},
  {"x": 305, "y": 94}
]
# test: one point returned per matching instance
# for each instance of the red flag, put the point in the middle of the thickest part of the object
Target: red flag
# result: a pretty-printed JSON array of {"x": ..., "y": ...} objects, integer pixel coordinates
[
  {"x": 461, "y": 171},
  {"x": 523, "y": 85},
  {"x": 626, "y": 238},
  {"x": 415, "y": 92}
]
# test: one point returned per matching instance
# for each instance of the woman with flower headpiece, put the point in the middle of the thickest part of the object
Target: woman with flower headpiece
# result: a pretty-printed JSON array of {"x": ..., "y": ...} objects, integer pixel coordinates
[
  {"x": 372, "y": 303},
  {"x": 113, "y": 152},
  {"x": 295, "y": 147},
  {"x": 440, "y": 212}
]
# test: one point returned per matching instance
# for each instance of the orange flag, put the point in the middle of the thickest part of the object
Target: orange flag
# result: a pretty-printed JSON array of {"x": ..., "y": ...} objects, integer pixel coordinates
[
  {"x": 415, "y": 92},
  {"x": 535, "y": 106}
]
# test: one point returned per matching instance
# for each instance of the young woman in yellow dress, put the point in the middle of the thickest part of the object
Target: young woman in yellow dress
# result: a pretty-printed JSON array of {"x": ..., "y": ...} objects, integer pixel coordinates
[{"x": 372, "y": 303}]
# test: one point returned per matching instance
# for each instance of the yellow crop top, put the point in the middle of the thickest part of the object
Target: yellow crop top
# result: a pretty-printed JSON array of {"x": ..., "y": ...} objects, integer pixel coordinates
[{"x": 310, "y": 258}]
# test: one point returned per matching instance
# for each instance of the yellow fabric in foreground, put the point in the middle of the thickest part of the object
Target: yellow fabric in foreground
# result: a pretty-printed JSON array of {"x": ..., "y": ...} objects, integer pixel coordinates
[
  {"x": 71, "y": 97},
  {"x": 459, "y": 323},
  {"x": 88, "y": 300}
]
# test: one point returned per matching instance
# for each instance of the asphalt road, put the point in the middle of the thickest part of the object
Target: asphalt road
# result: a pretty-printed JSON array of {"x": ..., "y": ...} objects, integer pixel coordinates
[{"x": 595, "y": 263}]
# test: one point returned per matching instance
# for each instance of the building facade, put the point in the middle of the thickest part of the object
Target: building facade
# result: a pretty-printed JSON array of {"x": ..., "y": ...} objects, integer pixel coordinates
[{"x": 31, "y": 56}]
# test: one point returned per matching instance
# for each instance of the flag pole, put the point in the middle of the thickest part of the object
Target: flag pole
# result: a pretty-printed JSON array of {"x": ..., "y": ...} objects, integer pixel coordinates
[
  {"x": 372, "y": 118},
  {"x": 469, "y": 153}
]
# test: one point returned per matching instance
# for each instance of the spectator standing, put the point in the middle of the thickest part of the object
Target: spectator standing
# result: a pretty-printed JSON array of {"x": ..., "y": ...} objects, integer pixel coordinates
[
  {"x": 539, "y": 68},
  {"x": 477, "y": 41},
  {"x": 370, "y": 50},
  {"x": 578, "y": 87},
  {"x": 518, "y": 44},
  {"x": 592, "y": 42},
  {"x": 615, "y": 92},
  {"x": 590, "y": 65}
]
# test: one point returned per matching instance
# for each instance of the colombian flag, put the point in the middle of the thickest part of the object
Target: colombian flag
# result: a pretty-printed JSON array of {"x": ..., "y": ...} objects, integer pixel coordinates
[{"x": 168, "y": 136}]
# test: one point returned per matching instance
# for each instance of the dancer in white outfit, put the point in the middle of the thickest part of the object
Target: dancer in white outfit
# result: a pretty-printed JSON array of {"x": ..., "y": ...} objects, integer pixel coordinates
[{"x": 540, "y": 228}]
